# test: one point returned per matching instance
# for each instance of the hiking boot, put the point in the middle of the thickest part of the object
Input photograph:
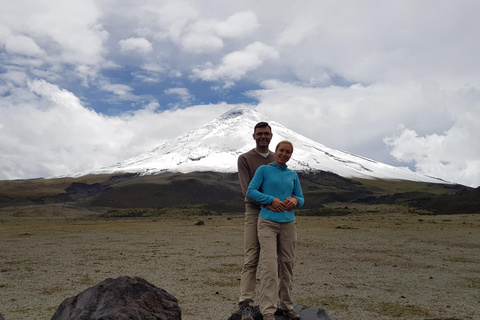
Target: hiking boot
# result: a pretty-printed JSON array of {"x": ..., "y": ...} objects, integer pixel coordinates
[
  {"x": 247, "y": 312},
  {"x": 268, "y": 316},
  {"x": 291, "y": 314}
]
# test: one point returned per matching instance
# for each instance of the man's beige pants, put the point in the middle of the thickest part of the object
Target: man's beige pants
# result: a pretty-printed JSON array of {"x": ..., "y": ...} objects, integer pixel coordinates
[
  {"x": 248, "y": 276},
  {"x": 277, "y": 255}
]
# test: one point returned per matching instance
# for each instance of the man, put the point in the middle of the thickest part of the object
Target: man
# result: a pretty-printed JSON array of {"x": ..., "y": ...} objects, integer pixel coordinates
[
  {"x": 276, "y": 185},
  {"x": 248, "y": 163}
]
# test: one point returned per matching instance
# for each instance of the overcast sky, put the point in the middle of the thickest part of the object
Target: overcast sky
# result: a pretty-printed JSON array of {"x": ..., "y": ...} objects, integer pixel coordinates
[{"x": 85, "y": 84}]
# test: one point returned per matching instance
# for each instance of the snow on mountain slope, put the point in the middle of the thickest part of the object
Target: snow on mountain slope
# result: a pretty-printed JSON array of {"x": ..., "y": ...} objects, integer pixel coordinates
[{"x": 216, "y": 146}]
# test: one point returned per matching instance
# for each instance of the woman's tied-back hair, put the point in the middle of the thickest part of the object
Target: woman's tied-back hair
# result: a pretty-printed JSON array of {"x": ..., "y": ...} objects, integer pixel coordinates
[{"x": 284, "y": 142}]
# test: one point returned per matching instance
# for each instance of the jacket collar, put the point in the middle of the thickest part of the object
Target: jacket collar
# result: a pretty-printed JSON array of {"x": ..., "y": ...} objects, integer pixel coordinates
[{"x": 281, "y": 166}]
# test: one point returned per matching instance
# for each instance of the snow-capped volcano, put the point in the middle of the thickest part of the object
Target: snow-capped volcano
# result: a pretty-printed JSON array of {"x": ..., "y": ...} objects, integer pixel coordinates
[{"x": 216, "y": 146}]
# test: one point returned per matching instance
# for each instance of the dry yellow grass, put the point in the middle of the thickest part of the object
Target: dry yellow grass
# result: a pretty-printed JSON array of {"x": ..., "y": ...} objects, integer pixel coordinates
[{"x": 380, "y": 264}]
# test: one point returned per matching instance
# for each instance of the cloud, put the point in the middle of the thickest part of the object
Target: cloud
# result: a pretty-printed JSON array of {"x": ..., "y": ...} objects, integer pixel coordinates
[
  {"x": 51, "y": 133},
  {"x": 118, "y": 89},
  {"x": 298, "y": 30},
  {"x": 198, "y": 42},
  {"x": 452, "y": 155},
  {"x": 183, "y": 93},
  {"x": 164, "y": 19},
  {"x": 236, "y": 65},
  {"x": 237, "y": 25},
  {"x": 69, "y": 25},
  {"x": 52, "y": 39},
  {"x": 206, "y": 35},
  {"x": 141, "y": 45},
  {"x": 22, "y": 45},
  {"x": 439, "y": 155}
]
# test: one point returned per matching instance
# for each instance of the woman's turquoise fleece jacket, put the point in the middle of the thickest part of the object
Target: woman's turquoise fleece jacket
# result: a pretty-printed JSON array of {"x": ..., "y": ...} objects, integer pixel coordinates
[{"x": 275, "y": 181}]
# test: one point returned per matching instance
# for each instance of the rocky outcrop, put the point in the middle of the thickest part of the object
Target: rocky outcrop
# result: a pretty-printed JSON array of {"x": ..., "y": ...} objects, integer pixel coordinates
[{"x": 123, "y": 298}]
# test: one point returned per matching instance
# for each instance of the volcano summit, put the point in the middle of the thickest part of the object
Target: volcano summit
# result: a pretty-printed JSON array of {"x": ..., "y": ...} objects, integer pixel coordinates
[{"x": 216, "y": 146}]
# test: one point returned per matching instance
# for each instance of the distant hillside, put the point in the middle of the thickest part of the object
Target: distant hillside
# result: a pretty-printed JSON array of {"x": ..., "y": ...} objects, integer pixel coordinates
[
  {"x": 463, "y": 201},
  {"x": 220, "y": 192}
]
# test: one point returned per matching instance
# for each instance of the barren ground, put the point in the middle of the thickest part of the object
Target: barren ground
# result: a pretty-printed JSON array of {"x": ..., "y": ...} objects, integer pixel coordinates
[{"x": 383, "y": 263}]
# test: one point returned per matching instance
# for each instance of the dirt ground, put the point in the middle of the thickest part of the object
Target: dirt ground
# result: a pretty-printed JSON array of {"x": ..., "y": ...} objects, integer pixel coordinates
[{"x": 379, "y": 264}]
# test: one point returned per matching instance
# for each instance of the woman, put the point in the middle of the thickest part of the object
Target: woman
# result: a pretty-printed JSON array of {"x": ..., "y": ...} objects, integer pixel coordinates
[{"x": 278, "y": 189}]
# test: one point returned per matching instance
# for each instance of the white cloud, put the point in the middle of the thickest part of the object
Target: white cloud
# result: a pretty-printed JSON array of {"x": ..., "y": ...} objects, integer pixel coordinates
[
  {"x": 237, "y": 64},
  {"x": 71, "y": 25},
  {"x": 449, "y": 156},
  {"x": 183, "y": 93},
  {"x": 166, "y": 19},
  {"x": 239, "y": 24},
  {"x": 205, "y": 35},
  {"x": 118, "y": 89},
  {"x": 154, "y": 67},
  {"x": 453, "y": 154},
  {"x": 298, "y": 30},
  {"x": 198, "y": 42},
  {"x": 141, "y": 45},
  {"x": 22, "y": 45},
  {"x": 71, "y": 138},
  {"x": 46, "y": 37}
]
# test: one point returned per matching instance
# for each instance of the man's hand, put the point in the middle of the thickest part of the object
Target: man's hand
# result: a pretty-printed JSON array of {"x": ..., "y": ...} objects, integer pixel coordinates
[{"x": 270, "y": 207}]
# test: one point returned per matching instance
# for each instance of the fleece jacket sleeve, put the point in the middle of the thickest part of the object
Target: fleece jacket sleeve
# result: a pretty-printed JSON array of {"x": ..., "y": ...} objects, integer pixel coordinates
[
  {"x": 254, "y": 188},
  {"x": 298, "y": 193}
]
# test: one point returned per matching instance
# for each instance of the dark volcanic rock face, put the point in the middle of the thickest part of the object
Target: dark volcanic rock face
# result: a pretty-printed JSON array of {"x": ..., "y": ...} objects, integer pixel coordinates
[{"x": 120, "y": 299}]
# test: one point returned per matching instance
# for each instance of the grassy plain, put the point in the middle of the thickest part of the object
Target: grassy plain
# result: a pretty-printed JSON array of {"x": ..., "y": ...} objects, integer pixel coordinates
[{"x": 380, "y": 262}]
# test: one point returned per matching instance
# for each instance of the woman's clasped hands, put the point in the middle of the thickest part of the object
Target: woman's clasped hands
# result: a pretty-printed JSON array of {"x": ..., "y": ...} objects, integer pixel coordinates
[{"x": 285, "y": 205}]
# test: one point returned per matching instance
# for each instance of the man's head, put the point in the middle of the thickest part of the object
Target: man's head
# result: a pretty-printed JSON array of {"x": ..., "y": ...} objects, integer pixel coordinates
[{"x": 262, "y": 134}]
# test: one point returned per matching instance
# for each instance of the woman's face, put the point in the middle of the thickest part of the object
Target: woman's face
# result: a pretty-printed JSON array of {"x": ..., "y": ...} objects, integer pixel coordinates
[{"x": 283, "y": 153}]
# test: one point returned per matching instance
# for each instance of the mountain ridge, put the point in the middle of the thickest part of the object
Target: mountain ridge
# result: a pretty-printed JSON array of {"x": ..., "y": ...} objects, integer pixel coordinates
[{"x": 216, "y": 146}]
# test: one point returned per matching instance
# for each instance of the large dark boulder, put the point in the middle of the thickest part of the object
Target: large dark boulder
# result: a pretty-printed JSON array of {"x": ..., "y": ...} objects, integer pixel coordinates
[
  {"x": 123, "y": 298},
  {"x": 306, "y": 313}
]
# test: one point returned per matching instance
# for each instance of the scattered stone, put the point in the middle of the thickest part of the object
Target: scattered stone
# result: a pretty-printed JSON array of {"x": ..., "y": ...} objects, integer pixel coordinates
[
  {"x": 344, "y": 226},
  {"x": 200, "y": 223},
  {"x": 123, "y": 298},
  {"x": 306, "y": 313}
]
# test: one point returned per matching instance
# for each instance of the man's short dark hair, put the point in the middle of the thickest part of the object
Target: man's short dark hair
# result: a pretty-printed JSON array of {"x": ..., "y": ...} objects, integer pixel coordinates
[{"x": 262, "y": 125}]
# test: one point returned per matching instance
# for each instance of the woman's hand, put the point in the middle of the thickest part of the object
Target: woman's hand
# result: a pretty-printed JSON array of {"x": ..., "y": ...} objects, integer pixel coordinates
[
  {"x": 278, "y": 205},
  {"x": 290, "y": 203}
]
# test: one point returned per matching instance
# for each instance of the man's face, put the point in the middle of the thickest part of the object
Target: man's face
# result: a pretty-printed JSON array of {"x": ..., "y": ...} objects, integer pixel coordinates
[{"x": 262, "y": 136}]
